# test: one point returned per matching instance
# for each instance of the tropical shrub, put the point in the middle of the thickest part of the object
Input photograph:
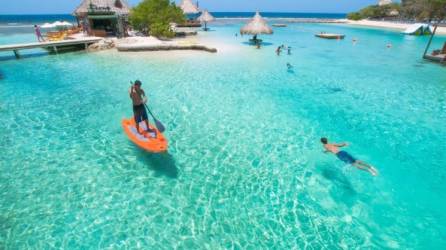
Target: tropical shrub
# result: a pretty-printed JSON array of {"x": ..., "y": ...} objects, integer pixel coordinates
[
  {"x": 154, "y": 17},
  {"x": 355, "y": 16}
]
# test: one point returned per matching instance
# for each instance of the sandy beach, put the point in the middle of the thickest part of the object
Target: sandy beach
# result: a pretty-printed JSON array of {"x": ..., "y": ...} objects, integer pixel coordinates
[{"x": 389, "y": 25}]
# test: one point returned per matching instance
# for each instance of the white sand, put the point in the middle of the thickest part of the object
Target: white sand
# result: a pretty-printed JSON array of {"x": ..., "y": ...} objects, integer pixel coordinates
[
  {"x": 389, "y": 25},
  {"x": 200, "y": 39}
]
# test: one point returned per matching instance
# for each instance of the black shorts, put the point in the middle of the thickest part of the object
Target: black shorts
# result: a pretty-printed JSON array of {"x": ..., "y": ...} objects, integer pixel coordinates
[{"x": 139, "y": 113}]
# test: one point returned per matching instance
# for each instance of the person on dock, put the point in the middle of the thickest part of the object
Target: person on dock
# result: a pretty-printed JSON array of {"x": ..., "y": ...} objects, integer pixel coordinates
[
  {"x": 139, "y": 101},
  {"x": 38, "y": 33},
  {"x": 344, "y": 156}
]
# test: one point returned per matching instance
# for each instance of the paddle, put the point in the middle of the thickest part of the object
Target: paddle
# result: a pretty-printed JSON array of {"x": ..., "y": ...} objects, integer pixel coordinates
[{"x": 158, "y": 124}]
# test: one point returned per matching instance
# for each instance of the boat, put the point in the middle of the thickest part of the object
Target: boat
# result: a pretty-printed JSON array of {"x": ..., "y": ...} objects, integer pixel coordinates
[
  {"x": 145, "y": 141},
  {"x": 279, "y": 25},
  {"x": 438, "y": 58},
  {"x": 438, "y": 55},
  {"x": 330, "y": 36}
]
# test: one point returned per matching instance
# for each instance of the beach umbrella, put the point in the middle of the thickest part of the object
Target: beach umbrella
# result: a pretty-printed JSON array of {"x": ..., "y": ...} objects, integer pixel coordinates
[
  {"x": 256, "y": 26},
  {"x": 205, "y": 18},
  {"x": 188, "y": 7}
]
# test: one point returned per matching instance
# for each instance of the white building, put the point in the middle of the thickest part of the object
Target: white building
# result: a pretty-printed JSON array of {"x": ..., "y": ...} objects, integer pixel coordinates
[{"x": 384, "y": 2}]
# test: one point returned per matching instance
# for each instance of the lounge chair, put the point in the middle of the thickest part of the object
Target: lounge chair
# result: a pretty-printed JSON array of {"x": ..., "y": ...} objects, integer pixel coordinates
[{"x": 56, "y": 36}]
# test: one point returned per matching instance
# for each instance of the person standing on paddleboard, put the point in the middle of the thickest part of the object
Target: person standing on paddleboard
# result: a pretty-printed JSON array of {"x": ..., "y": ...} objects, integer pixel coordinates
[{"x": 139, "y": 98}]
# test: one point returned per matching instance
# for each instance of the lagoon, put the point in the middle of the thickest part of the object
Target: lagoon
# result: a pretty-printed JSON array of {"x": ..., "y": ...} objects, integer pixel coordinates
[{"x": 245, "y": 168}]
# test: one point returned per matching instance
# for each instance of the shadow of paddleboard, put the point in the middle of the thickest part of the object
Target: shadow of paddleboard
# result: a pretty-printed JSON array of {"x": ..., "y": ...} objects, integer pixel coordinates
[{"x": 163, "y": 164}]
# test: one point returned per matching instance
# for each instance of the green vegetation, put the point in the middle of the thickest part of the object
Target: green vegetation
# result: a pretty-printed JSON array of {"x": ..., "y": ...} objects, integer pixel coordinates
[
  {"x": 422, "y": 10},
  {"x": 355, "y": 16},
  {"x": 375, "y": 11},
  {"x": 154, "y": 17}
]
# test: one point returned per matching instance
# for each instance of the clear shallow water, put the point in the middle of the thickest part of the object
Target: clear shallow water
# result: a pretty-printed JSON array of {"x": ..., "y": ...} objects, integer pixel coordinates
[{"x": 245, "y": 167}]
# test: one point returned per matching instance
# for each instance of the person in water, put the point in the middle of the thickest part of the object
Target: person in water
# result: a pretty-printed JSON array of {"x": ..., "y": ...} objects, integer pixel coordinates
[
  {"x": 278, "y": 50},
  {"x": 139, "y": 99},
  {"x": 344, "y": 156},
  {"x": 38, "y": 33}
]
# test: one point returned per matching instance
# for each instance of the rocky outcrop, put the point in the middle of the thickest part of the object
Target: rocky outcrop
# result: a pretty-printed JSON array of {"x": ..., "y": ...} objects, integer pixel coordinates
[{"x": 102, "y": 45}]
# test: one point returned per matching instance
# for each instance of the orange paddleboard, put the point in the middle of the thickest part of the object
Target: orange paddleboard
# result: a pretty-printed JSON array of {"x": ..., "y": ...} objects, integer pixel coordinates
[{"x": 145, "y": 140}]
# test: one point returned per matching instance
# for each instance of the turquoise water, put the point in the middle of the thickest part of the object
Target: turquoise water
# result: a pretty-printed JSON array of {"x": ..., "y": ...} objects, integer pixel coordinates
[{"x": 245, "y": 168}]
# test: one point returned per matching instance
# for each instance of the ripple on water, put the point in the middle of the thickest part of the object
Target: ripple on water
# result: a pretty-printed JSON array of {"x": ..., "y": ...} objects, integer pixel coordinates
[{"x": 244, "y": 168}]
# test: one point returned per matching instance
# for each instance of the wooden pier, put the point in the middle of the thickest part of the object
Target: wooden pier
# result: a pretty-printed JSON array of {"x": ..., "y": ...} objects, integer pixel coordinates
[{"x": 53, "y": 46}]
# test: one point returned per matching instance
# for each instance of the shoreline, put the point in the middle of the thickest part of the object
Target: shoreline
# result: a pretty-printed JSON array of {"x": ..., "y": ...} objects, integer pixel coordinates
[
  {"x": 398, "y": 26},
  {"x": 388, "y": 25}
]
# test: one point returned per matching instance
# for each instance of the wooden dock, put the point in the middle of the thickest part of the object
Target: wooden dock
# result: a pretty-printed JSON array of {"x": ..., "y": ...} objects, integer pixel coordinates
[{"x": 54, "y": 46}]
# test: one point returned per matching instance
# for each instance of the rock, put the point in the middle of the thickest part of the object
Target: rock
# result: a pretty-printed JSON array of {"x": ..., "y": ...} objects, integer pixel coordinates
[{"x": 104, "y": 44}]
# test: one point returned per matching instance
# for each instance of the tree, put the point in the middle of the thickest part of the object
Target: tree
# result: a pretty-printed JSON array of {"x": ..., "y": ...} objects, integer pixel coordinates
[
  {"x": 425, "y": 10},
  {"x": 154, "y": 17},
  {"x": 355, "y": 16},
  {"x": 374, "y": 11}
]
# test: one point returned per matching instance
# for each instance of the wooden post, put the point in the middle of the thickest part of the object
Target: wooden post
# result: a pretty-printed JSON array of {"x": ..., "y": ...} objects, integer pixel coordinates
[
  {"x": 16, "y": 53},
  {"x": 430, "y": 41},
  {"x": 55, "y": 49},
  {"x": 86, "y": 46}
]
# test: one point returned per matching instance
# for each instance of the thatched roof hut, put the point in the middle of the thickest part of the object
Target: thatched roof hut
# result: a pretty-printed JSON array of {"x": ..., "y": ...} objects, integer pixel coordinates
[
  {"x": 188, "y": 7},
  {"x": 103, "y": 17},
  {"x": 117, "y": 7},
  {"x": 256, "y": 26}
]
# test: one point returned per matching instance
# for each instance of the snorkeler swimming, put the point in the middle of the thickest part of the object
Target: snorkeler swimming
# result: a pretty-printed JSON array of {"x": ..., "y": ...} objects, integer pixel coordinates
[{"x": 346, "y": 157}]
